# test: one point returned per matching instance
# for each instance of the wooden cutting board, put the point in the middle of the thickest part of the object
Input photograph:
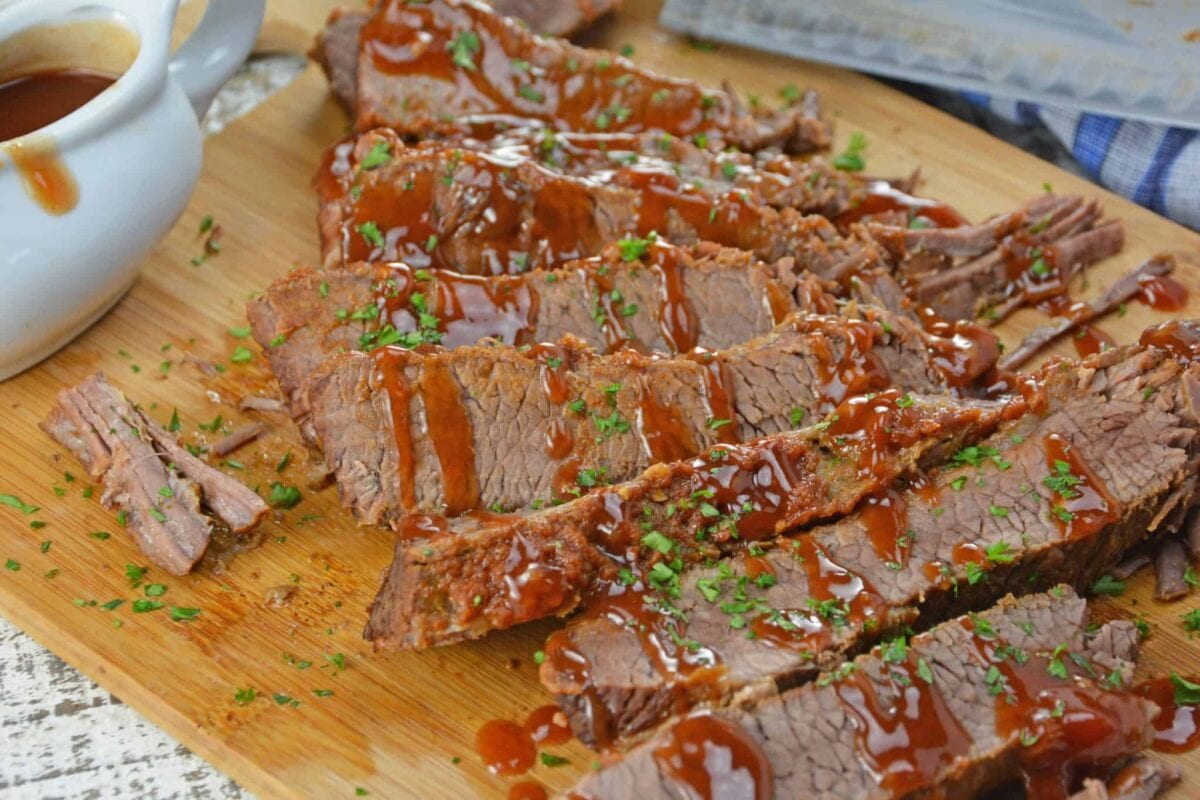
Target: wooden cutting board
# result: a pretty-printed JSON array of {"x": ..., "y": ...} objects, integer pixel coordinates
[{"x": 395, "y": 725}]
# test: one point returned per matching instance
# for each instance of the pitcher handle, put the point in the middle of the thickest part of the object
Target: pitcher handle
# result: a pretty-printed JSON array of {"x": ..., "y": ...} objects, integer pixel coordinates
[{"x": 216, "y": 49}]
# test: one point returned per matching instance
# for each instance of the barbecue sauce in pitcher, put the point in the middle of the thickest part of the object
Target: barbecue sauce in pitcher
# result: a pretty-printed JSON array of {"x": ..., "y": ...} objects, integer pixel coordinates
[{"x": 31, "y": 102}]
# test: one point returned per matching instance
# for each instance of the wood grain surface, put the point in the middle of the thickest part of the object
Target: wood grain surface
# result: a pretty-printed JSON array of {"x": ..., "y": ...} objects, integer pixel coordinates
[{"x": 396, "y": 725}]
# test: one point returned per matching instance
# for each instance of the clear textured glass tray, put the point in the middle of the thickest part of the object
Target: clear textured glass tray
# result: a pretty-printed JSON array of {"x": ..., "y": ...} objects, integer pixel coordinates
[{"x": 1129, "y": 58}]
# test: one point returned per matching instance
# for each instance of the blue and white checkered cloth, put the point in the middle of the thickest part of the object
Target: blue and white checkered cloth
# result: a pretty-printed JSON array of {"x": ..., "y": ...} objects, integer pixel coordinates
[{"x": 1154, "y": 165}]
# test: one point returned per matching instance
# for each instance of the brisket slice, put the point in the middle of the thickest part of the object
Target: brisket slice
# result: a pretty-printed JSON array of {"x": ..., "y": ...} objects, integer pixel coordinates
[
  {"x": 1125, "y": 289},
  {"x": 488, "y": 212},
  {"x": 1117, "y": 432},
  {"x": 668, "y": 300},
  {"x": 1022, "y": 257},
  {"x": 1141, "y": 779},
  {"x": 1020, "y": 692},
  {"x": 145, "y": 472},
  {"x": 447, "y": 431},
  {"x": 467, "y": 582},
  {"x": 631, "y": 160},
  {"x": 336, "y": 46},
  {"x": 455, "y": 66}
]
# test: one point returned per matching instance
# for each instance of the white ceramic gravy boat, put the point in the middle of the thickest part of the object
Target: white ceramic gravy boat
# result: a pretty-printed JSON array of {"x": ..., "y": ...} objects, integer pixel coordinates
[{"x": 133, "y": 152}]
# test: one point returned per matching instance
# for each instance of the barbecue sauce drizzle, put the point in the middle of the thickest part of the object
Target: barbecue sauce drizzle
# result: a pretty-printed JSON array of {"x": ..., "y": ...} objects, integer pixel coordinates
[
  {"x": 752, "y": 493},
  {"x": 1177, "y": 726},
  {"x": 449, "y": 429},
  {"x": 715, "y": 758},
  {"x": 534, "y": 217},
  {"x": 470, "y": 307},
  {"x": 1082, "y": 503},
  {"x": 445, "y": 422},
  {"x": 585, "y": 92},
  {"x": 1051, "y": 706},
  {"x": 883, "y": 199},
  {"x": 390, "y": 363},
  {"x": 1065, "y": 725}
]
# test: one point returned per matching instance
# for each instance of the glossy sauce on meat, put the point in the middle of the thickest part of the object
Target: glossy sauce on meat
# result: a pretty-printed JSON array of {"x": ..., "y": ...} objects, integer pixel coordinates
[
  {"x": 30, "y": 102},
  {"x": 478, "y": 62},
  {"x": 715, "y": 758},
  {"x": 884, "y": 200},
  {"x": 1082, "y": 503},
  {"x": 390, "y": 366},
  {"x": 1162, "y": 293},
  {"x": 1180, "y": 339},
  {"x": 1177, "y": 726},
  {"x": 886, "y": 520},
  {"x": 908, "y": 739},
  {"x": 1050, "y": 702}
]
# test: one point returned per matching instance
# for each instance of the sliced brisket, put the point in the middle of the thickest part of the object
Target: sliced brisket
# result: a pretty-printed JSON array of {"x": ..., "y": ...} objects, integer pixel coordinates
[
  {"x": 488, "y": 212},
  {"x": 467, "y": 582},
  {"x": 455, "y": 66},
  {"x": 630, "y": 160},
  {"x": 1018, "y": 693},
  {"x": 667, "y": 300},
  {"x": 498, "y": 427},
  {"x": 1105, "y": 458},
  {"x": 1125, "y": 289},
  {"x": 336, "y": 46},
  {"x": 1023, "y": 257},
  {"x": 1141, "y": 779},
  {"x": 145, "y": 472}
]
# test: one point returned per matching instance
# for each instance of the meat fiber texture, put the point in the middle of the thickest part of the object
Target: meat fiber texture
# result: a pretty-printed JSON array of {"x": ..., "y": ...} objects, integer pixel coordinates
[
  {"x": 336, "y": 46},
  {"x": 814, "y": 742},
  {"x": 725, "y": 297},
  {"x": 1129, "y": 415},
  {"x": 147, "y": 473},
  {"x": 772, "y": 383}
]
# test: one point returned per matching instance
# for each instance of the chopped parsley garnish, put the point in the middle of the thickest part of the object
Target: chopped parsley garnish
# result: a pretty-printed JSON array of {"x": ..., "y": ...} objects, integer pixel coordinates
[
  {"x": 551, "y": 760},
  {"x": 850, "y": 159},
  {"x": 380, "y": 154},
  {"x": 240, "y": 333},
  {"x": 1056, "y": 667},
  {"x": 1062, "y": 513},
  {"x": 244, "y": 696},
  {"x": 1061, "y": 481},
  {"x": 923, "y": 671},
  {"x": 12, "y": 566},
  {"x": 12, "y": 501},
  {"x": 1191, "y": 621},
  {"x": 895, "y": 651},
  {"x": 656, "y": 541},
  {"x": 155, "y": 590},
  {"x": 999, "y": 553},
  {"x": 146, "y": 606},
  {"x": 796, "y": 415},
  {"x": 183, "y": 614},
  {"x": 241, "y": 355},
  {"x": 370, "y": 232},
  {"x": 1107, "y": 584},
  {"x": 529, "y": 93},
  {"x": 463, "y": 49},
  {"x": 1186, "y": 692},
  {"x": 634, "y": 249},
  {"x": 284, "y": 496}
]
